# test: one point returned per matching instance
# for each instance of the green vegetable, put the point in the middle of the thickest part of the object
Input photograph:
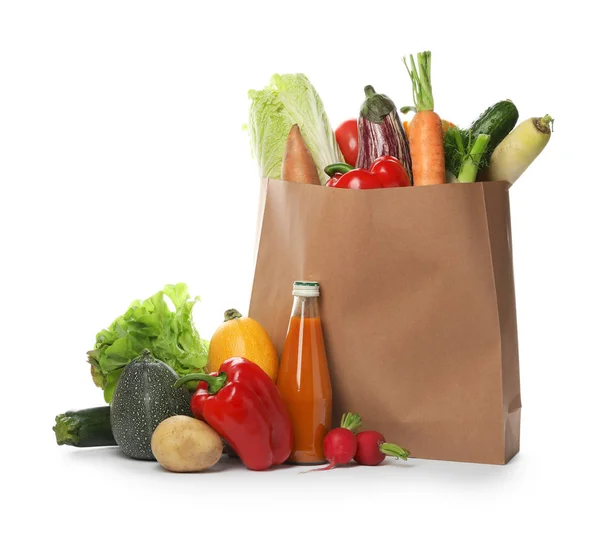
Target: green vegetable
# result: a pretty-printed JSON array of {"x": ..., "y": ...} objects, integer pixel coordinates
[
  {"x": 169, "y": 335},
  {"x": 462, "y": 149},
  {"x": 464, "y": 154},
  {"x": 497, "y": 121},
  {"x": 84, "y": 428},
  {"x": 290, "y": 99},
  {"x": 421, "y": 81},
  {"x": 144, "y": 396},
  {"x": 519, "y": 149},
  {"x": 338, "y": 168}
]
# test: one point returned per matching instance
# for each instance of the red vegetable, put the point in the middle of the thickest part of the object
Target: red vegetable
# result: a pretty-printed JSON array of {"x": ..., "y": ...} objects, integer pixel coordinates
[
  {"x": 390, "y": 172},
  {"x": 332, "y": 182},
  {"x": 372, "y": 449},
  {"x": 243, "y": 405},
  {"x": 356, "y": 179},
  {"x": 347, "y": 138},
  {"x": 386, "y": 171},
  {"x": 339, "y": 444}
]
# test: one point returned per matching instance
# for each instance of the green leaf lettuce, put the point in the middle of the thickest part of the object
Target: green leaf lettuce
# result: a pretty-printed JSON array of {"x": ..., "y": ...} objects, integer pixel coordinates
[{"x": 170, "y": 336}]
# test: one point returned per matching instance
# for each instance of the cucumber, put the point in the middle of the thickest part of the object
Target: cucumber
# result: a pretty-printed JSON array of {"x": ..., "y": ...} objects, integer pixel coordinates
[
  {"x": 145, "y": 396},
  {"x": 497, "y": 121},
  {"x": 84, "y": 428}
]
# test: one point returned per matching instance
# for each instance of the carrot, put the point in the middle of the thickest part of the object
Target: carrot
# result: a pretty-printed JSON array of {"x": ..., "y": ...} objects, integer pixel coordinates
[
  {"x": 298, "y": 164},
  {"x": 426, "y": 138},
  {"x": 446, "y": 125}
]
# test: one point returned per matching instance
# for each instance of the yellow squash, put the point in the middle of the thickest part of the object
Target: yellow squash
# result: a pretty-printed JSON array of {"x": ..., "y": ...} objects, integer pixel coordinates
[{"x": 245, "y": 337}]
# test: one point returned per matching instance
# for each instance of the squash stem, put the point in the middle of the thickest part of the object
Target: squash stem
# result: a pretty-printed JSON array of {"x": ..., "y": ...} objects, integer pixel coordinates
[
  {"x": 232, "y": 314},
  {"x": 215, "y": 383}
]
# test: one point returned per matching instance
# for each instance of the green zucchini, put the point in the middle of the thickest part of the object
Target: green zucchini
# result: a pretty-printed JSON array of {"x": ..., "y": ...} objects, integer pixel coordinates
[
  {"x": 496, "y": 121},
  {"x": 84, "y": 428}
]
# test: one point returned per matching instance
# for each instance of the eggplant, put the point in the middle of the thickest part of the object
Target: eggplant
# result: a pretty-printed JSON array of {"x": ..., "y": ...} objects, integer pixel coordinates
[{"x": 380, "y": 132}]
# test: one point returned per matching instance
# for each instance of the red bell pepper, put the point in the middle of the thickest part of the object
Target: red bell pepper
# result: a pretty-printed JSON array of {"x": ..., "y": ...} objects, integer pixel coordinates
[
  {"x": 244, "y": 406},
  {"x": 386, "y": 171},
  {"x": 358, "y": 178},
  {"x": 390, "y": 172}
]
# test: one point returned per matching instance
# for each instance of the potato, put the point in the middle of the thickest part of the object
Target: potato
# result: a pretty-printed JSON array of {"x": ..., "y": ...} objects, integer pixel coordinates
[{"x": 182, "y": 444}]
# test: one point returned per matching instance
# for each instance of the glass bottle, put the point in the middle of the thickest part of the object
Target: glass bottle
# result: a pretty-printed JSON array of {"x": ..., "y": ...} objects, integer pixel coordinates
[{"x": 303, "y": 378}]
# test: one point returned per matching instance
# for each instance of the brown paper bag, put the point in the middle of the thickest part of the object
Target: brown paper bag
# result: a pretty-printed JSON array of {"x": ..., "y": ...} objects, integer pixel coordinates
[{"x": 417, "y": 305}]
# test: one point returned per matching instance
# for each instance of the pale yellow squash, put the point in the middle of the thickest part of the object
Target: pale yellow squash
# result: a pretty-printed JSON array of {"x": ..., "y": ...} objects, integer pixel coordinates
[{"x": 242, "y": 336}]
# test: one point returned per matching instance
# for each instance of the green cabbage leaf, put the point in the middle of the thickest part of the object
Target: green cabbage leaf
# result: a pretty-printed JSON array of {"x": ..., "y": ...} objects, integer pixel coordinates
[{"x": 290, "y": 99}]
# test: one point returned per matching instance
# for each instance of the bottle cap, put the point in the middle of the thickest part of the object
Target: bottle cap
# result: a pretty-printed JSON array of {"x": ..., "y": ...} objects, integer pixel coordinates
[{"x": 305, "y": 289}]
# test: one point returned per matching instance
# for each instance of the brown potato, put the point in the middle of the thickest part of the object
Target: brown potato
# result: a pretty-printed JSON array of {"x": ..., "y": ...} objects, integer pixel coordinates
[{"x": 182, "y": 444}]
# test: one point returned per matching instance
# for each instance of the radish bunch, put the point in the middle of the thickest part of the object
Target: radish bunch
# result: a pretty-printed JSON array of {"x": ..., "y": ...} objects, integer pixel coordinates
[{"x": 368, "y": 447}]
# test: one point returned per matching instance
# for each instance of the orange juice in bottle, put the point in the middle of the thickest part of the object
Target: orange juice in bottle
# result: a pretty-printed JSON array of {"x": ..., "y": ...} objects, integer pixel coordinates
[{"x": 303, "y": 378}]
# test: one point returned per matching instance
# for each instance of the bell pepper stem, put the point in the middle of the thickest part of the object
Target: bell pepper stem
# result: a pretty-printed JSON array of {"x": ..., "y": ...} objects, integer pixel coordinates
[
  {"x": 338, "y": 168},
  {"x": 394, "y": 451},
  {"x": 232, "y": 314},
  {"x": 215, "y": 382}
]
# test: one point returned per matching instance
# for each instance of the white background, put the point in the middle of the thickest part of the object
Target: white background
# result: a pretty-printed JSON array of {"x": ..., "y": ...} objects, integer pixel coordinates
[{"x": 123, "y": 166}]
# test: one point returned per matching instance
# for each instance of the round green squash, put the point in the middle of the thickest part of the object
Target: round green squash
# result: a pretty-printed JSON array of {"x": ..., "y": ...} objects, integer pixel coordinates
[{"x": 144, "y": 396}]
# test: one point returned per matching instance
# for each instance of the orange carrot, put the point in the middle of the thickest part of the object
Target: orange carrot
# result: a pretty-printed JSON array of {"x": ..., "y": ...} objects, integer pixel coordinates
[
  {"x": 445, "y": 125},
  {"x": 426, "y": 145},
  {"x": 298, "y": 164},
  {"x": 426, "y": 138}
]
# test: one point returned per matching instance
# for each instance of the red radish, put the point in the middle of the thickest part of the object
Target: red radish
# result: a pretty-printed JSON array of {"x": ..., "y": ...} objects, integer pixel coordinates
[
  {"x": 339, "y": 444},
  {"x": 372, "y": 448}
]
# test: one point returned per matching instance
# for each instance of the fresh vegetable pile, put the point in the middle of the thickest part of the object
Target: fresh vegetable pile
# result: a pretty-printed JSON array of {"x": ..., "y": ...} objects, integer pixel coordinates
[
  {"x": 236, "y": 406},
  {"x": 181, "y": 400},
  {"x": 292, "y": 139}
]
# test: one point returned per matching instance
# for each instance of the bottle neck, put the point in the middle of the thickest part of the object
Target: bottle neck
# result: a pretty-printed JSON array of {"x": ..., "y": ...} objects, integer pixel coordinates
[{"x": 306, "y": 307}]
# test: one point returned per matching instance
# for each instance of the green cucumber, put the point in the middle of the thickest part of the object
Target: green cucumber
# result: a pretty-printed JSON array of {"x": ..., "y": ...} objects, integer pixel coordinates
[
  {"x": 84, "y": 428},
  {"x": 497, "y": 122}
]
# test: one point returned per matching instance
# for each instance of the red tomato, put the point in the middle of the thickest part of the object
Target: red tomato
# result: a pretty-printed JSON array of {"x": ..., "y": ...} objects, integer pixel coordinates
[
  {"x": 358, "y": 178},
  {"x": 347, "y": 138},
  {"x": 390, "y": 172}
]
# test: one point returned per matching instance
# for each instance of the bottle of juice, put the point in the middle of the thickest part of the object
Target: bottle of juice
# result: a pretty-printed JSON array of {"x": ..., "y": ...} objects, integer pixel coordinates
[{"x": 303, "y": 378}]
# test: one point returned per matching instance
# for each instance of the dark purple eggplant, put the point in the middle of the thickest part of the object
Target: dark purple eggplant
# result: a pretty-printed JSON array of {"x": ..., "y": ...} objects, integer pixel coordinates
[{"x": 380, "y": 132}]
